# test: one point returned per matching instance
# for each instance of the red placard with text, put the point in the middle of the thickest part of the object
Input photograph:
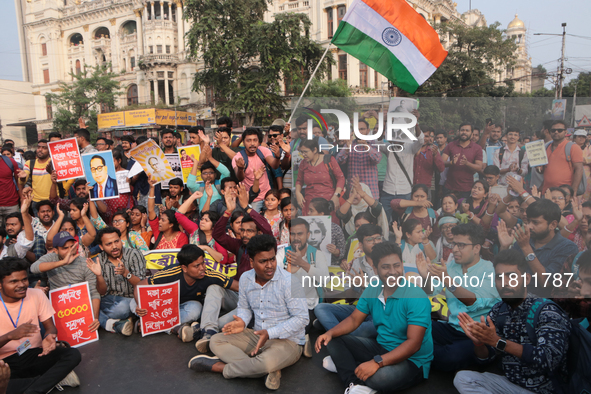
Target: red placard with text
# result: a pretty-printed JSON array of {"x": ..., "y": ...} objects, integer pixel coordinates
[
  {"x": 65, "y": 157},
  {"x": 162, "y": 304},
  {"x": 73, "y": 314}
]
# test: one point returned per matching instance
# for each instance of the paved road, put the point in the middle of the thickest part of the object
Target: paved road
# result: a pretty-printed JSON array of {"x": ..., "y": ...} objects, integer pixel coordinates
[{"x": 158, "y": 364}]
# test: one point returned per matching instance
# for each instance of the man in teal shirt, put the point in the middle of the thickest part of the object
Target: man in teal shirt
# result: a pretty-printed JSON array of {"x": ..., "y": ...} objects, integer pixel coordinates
[
  {"x": 471, "y": 291},
  {"x": 401, "y": 354}
]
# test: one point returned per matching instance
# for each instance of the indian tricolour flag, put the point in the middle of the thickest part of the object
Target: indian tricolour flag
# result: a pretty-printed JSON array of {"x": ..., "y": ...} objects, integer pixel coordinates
[{"x": 393, "y": 39}]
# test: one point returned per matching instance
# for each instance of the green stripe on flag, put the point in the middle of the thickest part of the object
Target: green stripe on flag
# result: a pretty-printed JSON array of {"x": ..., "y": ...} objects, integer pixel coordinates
[{"x": 375, "y": 55}]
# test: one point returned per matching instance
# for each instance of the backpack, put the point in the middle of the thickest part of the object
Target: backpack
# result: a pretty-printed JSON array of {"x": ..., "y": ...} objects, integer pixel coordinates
[
  {"x": 578, "y": 357},
  {"x": 432, "y": 216},
  {"x": 326, "y": 160},
  {"x": 11, "y": 166},
  {"x": 270, "y": 171},
  {"x": 29, "y": 182},
  {"x": 583, "y": 184}
]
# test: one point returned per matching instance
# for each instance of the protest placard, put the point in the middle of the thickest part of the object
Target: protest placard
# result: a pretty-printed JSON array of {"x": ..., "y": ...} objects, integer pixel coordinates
[
  {"x": 66, "y": 160},
  {"x": 162, "y": 304},
  {"x": 187, "y": 156},
  {"x": 175, "y": 164},
  {"x": 536, "y": 153},
  {"x": 122, "y": 183},
  {"x": 73, "y": 314},
  {"x": 152, "y": 159},
  {"x": 164, "y": 258},
  {"x": 100, "y": 175}
]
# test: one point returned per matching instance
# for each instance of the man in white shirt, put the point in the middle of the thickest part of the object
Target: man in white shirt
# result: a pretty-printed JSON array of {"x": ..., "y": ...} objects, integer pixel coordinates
[
  {"x": 19, "y": 242},
  {"x": 509, "y": 158}
]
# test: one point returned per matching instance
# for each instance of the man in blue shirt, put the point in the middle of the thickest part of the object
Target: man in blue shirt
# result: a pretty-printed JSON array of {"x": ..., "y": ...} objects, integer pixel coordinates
[
  {"x": 280, "y": 317},
  {"x": 469, "y": 288},
  {"x": 401, "y": 354}
]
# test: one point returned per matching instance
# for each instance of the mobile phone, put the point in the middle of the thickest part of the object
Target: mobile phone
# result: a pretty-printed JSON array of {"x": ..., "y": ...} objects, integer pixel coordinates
[{"x": 488, "y": 121}]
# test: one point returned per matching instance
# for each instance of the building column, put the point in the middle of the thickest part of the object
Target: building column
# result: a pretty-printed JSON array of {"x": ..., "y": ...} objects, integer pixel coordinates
[
  {"x": 161, "y": 10},
  {"x": 335, "y": 20},
  {"x": 140, "y": 32},
  {"x": 180, "y": 26},
  {"x": 152, "y": 16},
  {"x": 156, "y": 95},
  {"x": 166, "y": 91}
]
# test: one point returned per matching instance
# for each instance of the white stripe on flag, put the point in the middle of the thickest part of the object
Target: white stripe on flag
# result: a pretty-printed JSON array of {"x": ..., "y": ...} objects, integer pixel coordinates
[{"x": 367, "y": 20}]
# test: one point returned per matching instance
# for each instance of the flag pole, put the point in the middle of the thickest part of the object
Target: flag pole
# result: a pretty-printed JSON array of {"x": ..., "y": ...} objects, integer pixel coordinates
[{"x": 309, "y": 81}]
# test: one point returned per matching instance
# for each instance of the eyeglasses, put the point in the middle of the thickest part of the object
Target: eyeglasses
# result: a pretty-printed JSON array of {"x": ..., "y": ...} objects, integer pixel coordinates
[
  {"x": 118, "y": 221},
  {"x": 460, "y": 245},
  {"x": 248, "y": 231},
  {"x": 273, "y": 135},
  {"x": 446, "y": 227},
  {"x": 96, "y": 169},
  {"x": 377, "y": 238},
  {"x": 208, "y": 173},
  {"x": 557, "y": 130}
]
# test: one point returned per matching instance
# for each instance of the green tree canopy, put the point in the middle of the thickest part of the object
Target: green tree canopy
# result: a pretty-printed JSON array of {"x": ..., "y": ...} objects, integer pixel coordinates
[
  {"x": 245, "y": 58},
  {"x": 583, "y": 84},
  {"x": 83, "y": 98},
  {"x": 476, "y": 54}
]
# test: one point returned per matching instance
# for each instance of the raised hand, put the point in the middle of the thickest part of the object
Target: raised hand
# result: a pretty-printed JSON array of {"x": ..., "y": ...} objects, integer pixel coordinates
[
  {"x": 535, "y": 192},
  {"x": 84, "y": 209},
  {"x": 152, "y": 181},
  {"x": 208, "y": 189},
  {"x": 234, "y": 327},
  {"x": 240, "y": 162},
  {"x": 548, "y": 194},
  {"x": 230, "y": 202},
  {"x": 422, "y": 265},
  {"x": 26, "y": 203},
  {"x": 276, "y": 151},
  {"x": 577, "y": 203},
  {"x": 522, "y": 236},
  {"x": 60, "y": 213},
  {"x": 196, "y": 195},
  {"x": 426, "y": 233},
  {"x": 494, "y": 199},
  {"x": 397, "y": 230},
  {"x": 505, "y": 238},
  {"x": 332, "y": 249},
  {"x": 204, "y": 137},
  {"x": 94, "y": 266},
  {"x": 242, "y": 195},
  {"x": 71, "y": 255},
  {"x": 258, "y": 173},
  {"x": 515, "y": 185}
]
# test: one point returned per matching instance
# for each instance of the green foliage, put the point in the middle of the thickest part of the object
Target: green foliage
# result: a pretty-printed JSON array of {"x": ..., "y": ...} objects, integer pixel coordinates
[
  {"x": 336, "y": 88},
  {"x": 475, "y": 55},
  {"x": 83, "y": 98},
  {"x": 583, "y": 84},
  {"x": 245, "y": 58}
]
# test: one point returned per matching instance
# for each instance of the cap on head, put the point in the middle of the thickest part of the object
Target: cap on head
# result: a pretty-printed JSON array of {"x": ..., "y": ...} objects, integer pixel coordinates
[
  {"x": 278, "y": 122},
  {"x": 61, "y": 238},
  {"x": 580, "y": 132}
]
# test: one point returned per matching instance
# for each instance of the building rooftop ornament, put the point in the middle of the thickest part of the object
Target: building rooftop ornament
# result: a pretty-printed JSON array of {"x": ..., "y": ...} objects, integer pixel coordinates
[{"x": 516, "y": 23}]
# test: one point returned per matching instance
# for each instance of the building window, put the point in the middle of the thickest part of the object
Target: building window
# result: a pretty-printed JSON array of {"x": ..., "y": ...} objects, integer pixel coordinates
[
  {"x": 343, "y": 67},
  {"x": 158, "y": 48},
  {"x": 362, "y": 75},
  {"x": 78, "y": 68},
  {"x": 132, "y": 62},
  {"x": 329, "y": 18},
  {"x": 168, "y": 49},
  {"x": 44, "y": 49},
  {"x": 171, "y": 75},
  {"x": 46, "y": 76},
  {"x": 105, "y": 108},
  {"x": 341, "y": 11},
  {"x": 132, "y": 95},
  {"x": 49, "y": 109},
  {"x": 151, "y": 49}
]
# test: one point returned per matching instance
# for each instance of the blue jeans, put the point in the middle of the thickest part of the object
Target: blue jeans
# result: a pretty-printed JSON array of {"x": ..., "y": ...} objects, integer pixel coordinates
[
  {"x": 190, "y": 311},
  {"x": 385, "y": 200},
  {"x": 114, "y": 307},
  {"x": 452, "y": 349},
  {"x": 329, "y": 315},
  {"x": 348, "y": 351}
]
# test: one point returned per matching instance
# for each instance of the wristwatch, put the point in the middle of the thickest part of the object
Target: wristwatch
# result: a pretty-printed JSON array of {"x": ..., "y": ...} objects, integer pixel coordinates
[
  {"x": 128, "y": 277},
  {"x": 501, "y": 344},
  {"x": 452, "y": 288},
  {"x": 378, "y": 359},
  {"x": 530, "y": 257}
]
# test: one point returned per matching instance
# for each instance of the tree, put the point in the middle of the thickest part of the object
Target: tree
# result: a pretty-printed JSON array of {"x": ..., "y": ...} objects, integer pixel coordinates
[
  {"x": 337, "y": 88},
  {"x": 583, "y": 84},
  {"x": 245, "y": 58},
  {"x": 83, "y": 98},
  {"x": 475, "y": 55}
]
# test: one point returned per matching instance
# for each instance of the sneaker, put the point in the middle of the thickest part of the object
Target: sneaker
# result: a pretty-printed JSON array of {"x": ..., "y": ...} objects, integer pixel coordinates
[
  {"x": 308, "y": 352},
  {"x": 317, "y": 325},
  {"x": 187, "y": 333},
  {"x": 203, "y": 363},
  {"x": 273, "y": 380},
  {"x": 124, "y": 327},
  {"x": 71, "y": 380},
  {"x": 328, "y": 364},
  {"x": 202, "y": 344},
  {"x": 359, "y": 389}
]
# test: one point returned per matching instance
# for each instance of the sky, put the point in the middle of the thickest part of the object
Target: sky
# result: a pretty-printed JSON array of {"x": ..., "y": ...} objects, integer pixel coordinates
[{"x": 539, "y": 16}]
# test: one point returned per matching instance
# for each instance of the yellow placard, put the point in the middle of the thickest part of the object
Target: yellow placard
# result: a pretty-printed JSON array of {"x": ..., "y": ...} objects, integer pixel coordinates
[
  {"x": 153, "y": 162},
  {"x": 188, "y": 155},
  {"x": 140, "y": 117},
  {"x": 164, "y": 258},
  {"x": 111, "y": 119},
  {"x": 355, "y": 250}
]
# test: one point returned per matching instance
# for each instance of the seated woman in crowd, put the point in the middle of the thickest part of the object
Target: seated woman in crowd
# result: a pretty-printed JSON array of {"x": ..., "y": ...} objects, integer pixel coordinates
[
  {"x": 121, "y": 221},
  {"x": 167, "y": 233},
  {"x": 475, "y": 205},
  {"x": 321, "y": 207},
  {"x": 413, "y": 239},
  {"x": 358, "y": 199},
  {"x": 418, "y": 207},
  {"x": 568, "y": 225},
  {"x": 235, "y": 230},
  {"x": 201, "y": 235},
  {"x": 317, "y": 177},
  {"x": 444, "y": 243},
  {"x": 272, "y": 212},
  {"x": 286, "y": 208},
  {"x": 449, "y": 205},
  {"x": 138, "y": 217}
]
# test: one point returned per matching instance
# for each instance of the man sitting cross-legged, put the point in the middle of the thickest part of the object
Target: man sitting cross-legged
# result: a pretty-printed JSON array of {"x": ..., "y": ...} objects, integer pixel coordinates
[
  {"x": 280, "y": 317},
  {"x": 118, "y": 269},
  {"x": 195, "y": 280},
  {"x": 401, "y": 354}
]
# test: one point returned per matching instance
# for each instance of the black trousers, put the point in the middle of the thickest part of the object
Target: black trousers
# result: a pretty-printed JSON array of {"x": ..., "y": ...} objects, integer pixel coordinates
[{"x": 30, "y": 373}]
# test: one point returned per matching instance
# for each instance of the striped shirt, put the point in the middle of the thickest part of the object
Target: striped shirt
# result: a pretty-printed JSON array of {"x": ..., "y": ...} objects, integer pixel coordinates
[
  {"x": 118, "y": 285},
  {"x": 284, "y": 315},
  {"x": 71, "y": 274}
]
